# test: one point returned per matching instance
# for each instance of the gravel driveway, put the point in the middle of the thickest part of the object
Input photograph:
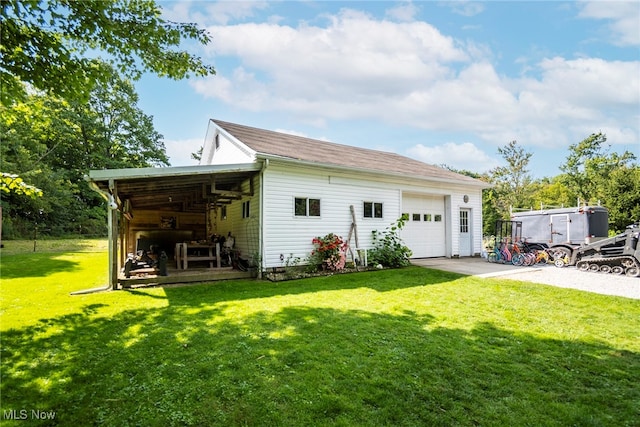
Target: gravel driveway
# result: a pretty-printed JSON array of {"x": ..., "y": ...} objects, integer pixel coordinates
[{"x": 568, "y": 277}]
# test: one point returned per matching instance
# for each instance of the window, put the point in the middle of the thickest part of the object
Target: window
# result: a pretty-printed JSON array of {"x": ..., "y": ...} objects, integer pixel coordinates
[
  {"x": 246, "y": 211},
  {"x": 223, "y": 212},
  {"x": 372, "y": 210},
  {"x": 306, "y": 207},
  {"x": 437, "y": 218},
  {"x": 427, "y": 217},
  {"x": 464, "y": 221},
  {"x": 416, "y": 217}
]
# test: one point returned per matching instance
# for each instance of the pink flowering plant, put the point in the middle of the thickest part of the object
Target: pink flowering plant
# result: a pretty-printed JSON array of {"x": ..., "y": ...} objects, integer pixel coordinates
[{"x": 329, "y": 252}]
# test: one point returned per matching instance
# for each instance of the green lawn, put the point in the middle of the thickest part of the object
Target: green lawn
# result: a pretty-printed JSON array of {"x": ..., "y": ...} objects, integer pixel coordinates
[{"x": 408, "y": 347}]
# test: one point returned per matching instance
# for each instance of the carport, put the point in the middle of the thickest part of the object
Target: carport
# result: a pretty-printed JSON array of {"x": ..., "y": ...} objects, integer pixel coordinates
[{"x": 162, "y": 207}]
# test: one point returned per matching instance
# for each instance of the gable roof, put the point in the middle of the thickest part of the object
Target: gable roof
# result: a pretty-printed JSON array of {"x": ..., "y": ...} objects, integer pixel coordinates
[{"x": 268, "y": 143}]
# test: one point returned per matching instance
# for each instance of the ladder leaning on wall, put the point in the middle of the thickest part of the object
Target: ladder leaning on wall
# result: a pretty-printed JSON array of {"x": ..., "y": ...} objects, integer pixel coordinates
[{"x": 359, "y": 257}]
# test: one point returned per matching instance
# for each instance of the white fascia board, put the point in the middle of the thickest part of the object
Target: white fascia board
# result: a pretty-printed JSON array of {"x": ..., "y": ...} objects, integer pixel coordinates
[
  {"x": 477, "y": 183},
  {"x": 136, "y": 173}
]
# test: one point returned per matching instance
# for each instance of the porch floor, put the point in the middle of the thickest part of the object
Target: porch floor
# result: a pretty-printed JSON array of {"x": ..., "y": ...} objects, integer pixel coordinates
[{"x": 182, "y": 276}]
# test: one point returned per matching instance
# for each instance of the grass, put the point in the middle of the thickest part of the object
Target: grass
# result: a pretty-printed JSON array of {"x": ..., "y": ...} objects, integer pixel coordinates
[{"x": 397, "y": 347}]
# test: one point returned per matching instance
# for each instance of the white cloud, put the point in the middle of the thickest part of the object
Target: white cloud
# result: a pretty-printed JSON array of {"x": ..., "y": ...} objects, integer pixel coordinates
[
  {"x": 179, "y": 151},
  {"x": 464, "y": 7},
  {"x": 220, "y": 12},
  {"x": 465, "y": 156},
  {"x": 623, "y": 17},
  {"x": 405, "y": 12},
  {"x": 410, "y": 74}
]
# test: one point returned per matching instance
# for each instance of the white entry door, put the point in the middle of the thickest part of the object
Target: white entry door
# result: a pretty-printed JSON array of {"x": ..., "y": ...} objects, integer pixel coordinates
[{"x": 465, "y": 232}]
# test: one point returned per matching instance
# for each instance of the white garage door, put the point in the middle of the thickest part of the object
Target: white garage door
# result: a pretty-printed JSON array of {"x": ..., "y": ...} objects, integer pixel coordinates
[{"x": 424, "y": 232}]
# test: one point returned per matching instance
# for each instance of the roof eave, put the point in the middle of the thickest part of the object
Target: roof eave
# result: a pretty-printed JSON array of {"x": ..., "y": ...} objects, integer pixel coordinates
[
  {"x": 475, "y": 183},
  {"x": 177, "y": 171}
]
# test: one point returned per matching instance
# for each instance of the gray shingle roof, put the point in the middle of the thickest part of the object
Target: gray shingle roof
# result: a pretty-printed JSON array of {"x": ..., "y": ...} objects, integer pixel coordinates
[{"x": 294, "y": 147}]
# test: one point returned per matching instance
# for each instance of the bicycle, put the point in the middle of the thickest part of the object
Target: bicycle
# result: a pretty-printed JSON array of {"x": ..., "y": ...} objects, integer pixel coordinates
[
  {"x": 504, "y": 252},
  {"x": 494, "y": 255},
  {"x": 518, "y": 256}
]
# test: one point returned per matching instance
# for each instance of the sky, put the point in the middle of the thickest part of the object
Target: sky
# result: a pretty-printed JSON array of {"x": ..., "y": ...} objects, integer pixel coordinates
[{"x": 443, "y": 82}]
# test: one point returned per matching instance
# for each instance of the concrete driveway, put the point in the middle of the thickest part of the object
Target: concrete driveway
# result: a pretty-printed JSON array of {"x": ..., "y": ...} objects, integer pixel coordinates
[
  {"x": 472, "y": 266},
  {"x": 568, "y": 277}
]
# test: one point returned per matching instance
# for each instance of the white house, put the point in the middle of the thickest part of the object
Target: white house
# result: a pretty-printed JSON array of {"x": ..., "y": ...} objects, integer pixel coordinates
[{"x": 275, "y": 192}]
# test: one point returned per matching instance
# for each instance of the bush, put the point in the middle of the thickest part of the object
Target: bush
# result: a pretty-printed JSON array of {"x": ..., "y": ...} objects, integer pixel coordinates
[
  {"x": 389, "y": 249},
  {"x": 329, "y": 252}
]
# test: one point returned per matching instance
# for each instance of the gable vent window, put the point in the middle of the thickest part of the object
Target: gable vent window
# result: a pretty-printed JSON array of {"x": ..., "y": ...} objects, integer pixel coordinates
[
  {"x": 306, "y": 207},
  {"x": 217, "y": 141},
  {"x": 372, "y": 210}
]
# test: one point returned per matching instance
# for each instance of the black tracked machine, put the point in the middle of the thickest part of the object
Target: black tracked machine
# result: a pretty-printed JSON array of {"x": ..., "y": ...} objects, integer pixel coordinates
[{"x": 618, "y": 255}]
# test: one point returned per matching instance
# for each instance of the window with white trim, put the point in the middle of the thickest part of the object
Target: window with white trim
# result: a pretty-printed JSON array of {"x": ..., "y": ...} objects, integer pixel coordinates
[
  {"x": 464, "y": 221},
  {"x": 372, "y": 210},
  {"x": 246, "y": 209},
  {"x": 304, "y": 206}
]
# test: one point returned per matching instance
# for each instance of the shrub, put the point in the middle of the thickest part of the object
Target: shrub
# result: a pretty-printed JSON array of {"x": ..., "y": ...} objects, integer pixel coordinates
[
  {"x": 329, "y": 252},
  {"x": 389, "y": 249}
]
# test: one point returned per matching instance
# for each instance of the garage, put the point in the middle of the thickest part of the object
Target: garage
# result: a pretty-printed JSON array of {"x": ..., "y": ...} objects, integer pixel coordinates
[{"x": 424, "y": 232}]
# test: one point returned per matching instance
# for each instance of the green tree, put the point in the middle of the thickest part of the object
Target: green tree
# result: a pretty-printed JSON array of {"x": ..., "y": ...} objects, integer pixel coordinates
[
  {"x": 53, "y": 144},
  {"x": 11, "y": 183},
  {"x": 623, "y": 197},
  {"x": 589, "y": 165},
  {"x": 47, "y": 45},
  {"x": 551, "y": 192},
  {"x": 511, "y": 183}
]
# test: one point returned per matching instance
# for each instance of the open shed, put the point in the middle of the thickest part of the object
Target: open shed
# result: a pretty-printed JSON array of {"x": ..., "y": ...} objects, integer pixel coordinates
[{"x": 152, "y": 210}]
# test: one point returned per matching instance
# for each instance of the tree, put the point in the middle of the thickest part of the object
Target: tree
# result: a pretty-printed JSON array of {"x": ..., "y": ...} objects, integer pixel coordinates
[
  {"x": 551, "y": 192},
  {"x": 588, "y": 167},
  {"x": 512, "y": 183},
  {"x": 113, "y": 132},
  {"x": 53, "y": 144},
  {"x": 11, "y": 183},
  {"x": 623, "y": 197},
  {"x": 45, "y": 44}
]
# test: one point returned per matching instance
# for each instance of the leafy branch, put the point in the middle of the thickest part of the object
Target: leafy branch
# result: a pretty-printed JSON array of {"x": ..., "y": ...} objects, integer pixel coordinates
[{"x": 13, "y": 183}]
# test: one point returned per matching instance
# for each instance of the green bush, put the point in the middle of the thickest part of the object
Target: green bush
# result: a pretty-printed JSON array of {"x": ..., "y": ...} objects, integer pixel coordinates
[{"x": 389, "y": 249}]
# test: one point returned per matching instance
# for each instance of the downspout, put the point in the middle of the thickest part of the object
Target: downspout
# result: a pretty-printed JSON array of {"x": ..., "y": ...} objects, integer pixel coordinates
[{"x": 265, "y": 164}]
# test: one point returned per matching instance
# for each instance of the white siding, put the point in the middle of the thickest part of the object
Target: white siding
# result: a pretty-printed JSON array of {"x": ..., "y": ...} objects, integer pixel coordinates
[
  {"x": 286, "y": 234},
  {"x": 475, "y": 219},
  {"x": 289, "y": 235},
  {"x": 245, "y": 230},
  {"x": 222, "y": 149}
]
